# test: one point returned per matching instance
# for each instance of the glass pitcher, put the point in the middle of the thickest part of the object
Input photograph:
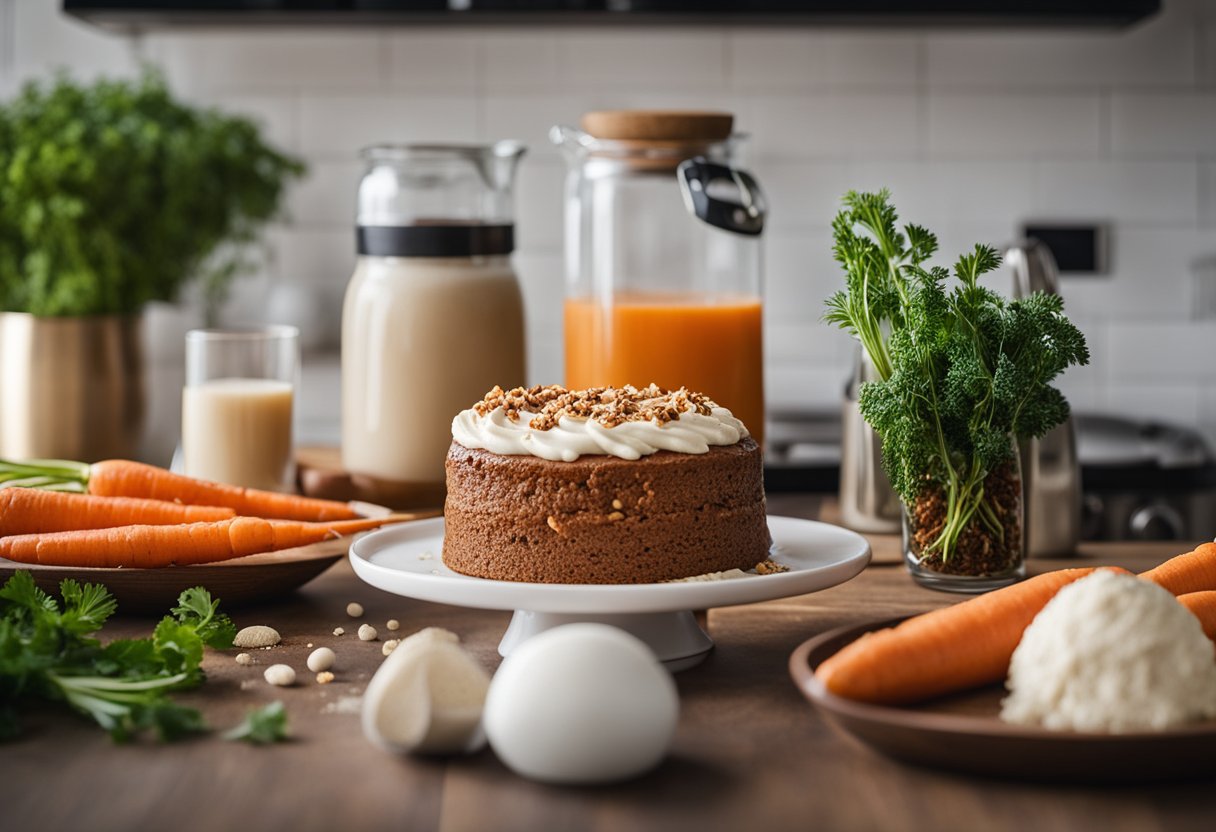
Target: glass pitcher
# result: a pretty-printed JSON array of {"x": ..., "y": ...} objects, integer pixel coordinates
[
  {"x": 663, "y": 257},
  {"x": 433, "y": 316}
]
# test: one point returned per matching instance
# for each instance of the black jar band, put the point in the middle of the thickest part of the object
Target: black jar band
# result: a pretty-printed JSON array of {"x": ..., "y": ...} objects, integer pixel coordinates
[{"x": 439, "y": 240}]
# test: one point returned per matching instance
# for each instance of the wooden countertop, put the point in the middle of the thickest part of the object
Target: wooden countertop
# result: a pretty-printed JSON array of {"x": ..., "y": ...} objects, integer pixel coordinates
[{"x": 750, "y": 753}]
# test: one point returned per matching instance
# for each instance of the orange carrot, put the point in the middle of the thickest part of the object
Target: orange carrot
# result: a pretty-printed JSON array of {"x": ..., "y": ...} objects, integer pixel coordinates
[
  {"x": 31, "y": 510},
  {"x": 1194, "y": 571},
  {"x": 153, "y": 546},
  {"x": 944, "y": 651},
  {"x": 1203, "y": 604},
  {"x": 123, "y": 478}
]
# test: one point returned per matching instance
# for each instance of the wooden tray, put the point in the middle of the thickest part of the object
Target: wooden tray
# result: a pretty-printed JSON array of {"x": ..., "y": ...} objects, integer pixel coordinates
[
  {"x": 319, "y": 473},
  {"x": 235, "y": 582},
  {"x": 964, "y": 733}
]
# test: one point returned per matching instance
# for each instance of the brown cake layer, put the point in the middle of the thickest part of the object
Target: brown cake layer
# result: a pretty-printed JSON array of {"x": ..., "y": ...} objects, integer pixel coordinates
[{"x": 605, "y": 520}]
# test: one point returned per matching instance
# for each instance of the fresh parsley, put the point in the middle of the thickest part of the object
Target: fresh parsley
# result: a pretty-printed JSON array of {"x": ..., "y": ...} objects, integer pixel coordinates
[
  {"x": 262, "y": 726},
  {"x": 960, "y": 368},
  {"x": 47, "y": 652},
  {"x": 114, "y": 193}
]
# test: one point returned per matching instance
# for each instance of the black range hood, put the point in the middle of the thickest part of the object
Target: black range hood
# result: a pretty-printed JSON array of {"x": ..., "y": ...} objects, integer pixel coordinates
[{"x": 145, "y": 14}]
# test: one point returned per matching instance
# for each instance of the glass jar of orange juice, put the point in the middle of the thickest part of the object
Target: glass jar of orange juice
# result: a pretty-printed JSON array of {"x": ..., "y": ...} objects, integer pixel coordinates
[{"x": 663, "y": 262}]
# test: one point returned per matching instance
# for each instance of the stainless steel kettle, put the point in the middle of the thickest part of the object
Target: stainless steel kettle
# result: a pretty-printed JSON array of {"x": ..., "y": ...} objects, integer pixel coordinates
[
  {"x": 1051, "y": 474},
  {"x": 867, "y": 501}
]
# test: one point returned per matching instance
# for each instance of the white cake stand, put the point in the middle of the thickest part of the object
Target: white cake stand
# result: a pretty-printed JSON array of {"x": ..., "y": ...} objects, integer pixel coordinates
[{"x": 406, "y": 560}]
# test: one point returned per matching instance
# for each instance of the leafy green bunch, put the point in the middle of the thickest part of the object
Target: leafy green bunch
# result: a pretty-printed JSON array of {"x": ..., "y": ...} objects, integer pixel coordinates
[
  {"x": 960, "y": 368},
  {"x": 115, "y": 194},
  {"x": 46, "y": 652}
]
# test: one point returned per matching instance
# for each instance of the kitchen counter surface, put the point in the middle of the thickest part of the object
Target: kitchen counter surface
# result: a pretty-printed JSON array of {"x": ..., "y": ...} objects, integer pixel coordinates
[{"x": 750, "y": 753}]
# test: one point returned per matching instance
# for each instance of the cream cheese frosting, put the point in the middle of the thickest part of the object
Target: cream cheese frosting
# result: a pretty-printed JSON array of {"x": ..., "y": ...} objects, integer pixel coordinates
[{"x": 508, "y": 431}]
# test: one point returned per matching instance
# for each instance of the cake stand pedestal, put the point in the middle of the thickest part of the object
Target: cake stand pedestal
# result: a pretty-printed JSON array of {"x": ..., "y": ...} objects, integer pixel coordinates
[
  {"x": 675, "y": 637},
  {"x": 406, "y": 560}
]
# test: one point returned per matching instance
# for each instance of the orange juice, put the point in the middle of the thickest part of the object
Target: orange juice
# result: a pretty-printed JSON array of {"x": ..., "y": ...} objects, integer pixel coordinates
[{"x": 710, "y": 345}]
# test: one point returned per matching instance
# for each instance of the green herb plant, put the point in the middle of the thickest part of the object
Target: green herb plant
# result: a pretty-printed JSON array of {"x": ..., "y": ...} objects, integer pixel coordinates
[
  {"x": 46, "y": 653},
  {"x": 114, "y": 194},
  {"x": 960, "y": 368},
  {"x": 262, "y": 726}
]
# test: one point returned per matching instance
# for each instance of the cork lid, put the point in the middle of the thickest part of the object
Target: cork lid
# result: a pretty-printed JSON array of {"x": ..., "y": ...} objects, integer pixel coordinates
[{"x": 658, "y": 125}]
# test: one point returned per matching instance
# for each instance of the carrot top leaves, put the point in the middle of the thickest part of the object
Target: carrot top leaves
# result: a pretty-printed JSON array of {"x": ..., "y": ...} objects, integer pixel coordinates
[
  {"x": 47, "y": 652},
  {"x": 262, "y": 726},
  {"x": 960, "y": 368}
]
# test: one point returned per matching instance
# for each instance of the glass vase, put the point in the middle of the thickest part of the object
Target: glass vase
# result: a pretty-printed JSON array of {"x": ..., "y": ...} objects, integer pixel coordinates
[{"x": 990, "y": 549}]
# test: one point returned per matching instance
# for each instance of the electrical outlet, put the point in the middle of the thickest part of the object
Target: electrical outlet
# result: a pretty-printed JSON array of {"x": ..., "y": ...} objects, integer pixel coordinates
[{"x": 1079, "y": 249}]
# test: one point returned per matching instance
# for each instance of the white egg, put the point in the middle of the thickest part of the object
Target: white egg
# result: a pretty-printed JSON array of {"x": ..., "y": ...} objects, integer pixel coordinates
[{"x": 582, "y": 703}]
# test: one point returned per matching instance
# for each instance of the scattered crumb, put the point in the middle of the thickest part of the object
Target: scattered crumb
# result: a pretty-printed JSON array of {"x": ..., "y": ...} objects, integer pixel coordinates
[
  {"x": 321, "y": 659},
  {"x": 244, "y": 659},
  {"x": 367, "y": 632},
  {"x": 426, "y": 556},
  {"x": 309, "y": 644},
  {"x": 393, "y": 624},
  {"x": 434, "y": 571},
  {"x": 324, "y": 677},
  {"x": 770, "y": 567},
  {"x": 339, "y": 630},
  {"x": 354, "y": 609},
  {"x": 711, "y": 576},
  {"x": 280, "y": 674},
  {"x": 256, "y": 636},
  {"x": 389, "y": 646},
  {"x": 248, "y": 683},
  {"x": 344, "y": 705}
]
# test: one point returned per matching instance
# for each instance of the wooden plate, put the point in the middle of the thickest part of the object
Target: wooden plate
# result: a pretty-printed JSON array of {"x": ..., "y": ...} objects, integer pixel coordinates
[
  {"x": 964, "y": 733},
  {"x": 235, "y": 582}
]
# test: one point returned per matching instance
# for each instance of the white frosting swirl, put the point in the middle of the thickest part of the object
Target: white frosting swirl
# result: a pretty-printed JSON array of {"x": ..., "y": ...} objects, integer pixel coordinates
[{"x": 571, "y": 437}]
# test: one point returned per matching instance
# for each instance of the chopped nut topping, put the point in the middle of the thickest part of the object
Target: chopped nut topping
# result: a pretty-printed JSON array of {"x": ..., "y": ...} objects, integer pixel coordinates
[
  {"x": 616, "y": 515},
  {"x": 618, "y": 505},
  {"x": 552, "y": 521},
  {"x": 610, "y": 406}
]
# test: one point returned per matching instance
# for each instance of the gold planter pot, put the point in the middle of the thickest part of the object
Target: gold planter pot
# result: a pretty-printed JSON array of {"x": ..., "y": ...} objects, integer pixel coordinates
[{"x": 70, "y": 388}]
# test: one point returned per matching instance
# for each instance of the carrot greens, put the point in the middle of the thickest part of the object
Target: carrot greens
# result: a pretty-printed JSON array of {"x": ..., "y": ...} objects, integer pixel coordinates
[
  {"x": 47, "y": 653},
  {"x": 960, "y": 368},
  {"x": 262, "y": 726}
]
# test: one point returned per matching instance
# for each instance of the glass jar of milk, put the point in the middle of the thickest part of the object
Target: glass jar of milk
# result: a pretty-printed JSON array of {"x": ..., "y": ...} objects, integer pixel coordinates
[{"x": 433, "y": 316}]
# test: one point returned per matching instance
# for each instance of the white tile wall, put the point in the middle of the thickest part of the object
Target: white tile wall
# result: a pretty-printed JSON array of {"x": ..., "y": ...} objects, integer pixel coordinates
[
  {"x": 1014, "y": 124},
  {"x": 1163, "y": 123},
  {"x": 763, "y": 61},
  {"x": 974, "y": 131},
  {"x": 339, "y": 124},
  {"x": 1140, "y": 192},
  {"x": 1156, "y": 53}
]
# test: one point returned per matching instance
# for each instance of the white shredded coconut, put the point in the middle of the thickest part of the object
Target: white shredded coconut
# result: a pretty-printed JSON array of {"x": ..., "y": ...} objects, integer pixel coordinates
[
  {"x": 1112, "y": 653},
  {"x": 344, "y": 705}
]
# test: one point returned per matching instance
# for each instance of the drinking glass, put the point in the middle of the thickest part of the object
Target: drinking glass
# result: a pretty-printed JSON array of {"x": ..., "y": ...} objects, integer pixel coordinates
[{"x": 237, "y": 405}]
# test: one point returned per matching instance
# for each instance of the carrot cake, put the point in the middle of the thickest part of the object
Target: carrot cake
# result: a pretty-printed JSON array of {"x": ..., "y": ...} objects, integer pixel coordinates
[{"x": 603, "y": 486}]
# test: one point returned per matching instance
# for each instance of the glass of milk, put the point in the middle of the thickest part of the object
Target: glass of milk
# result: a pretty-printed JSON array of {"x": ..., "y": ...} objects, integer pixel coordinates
[{"x": 237, "y": 406}]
